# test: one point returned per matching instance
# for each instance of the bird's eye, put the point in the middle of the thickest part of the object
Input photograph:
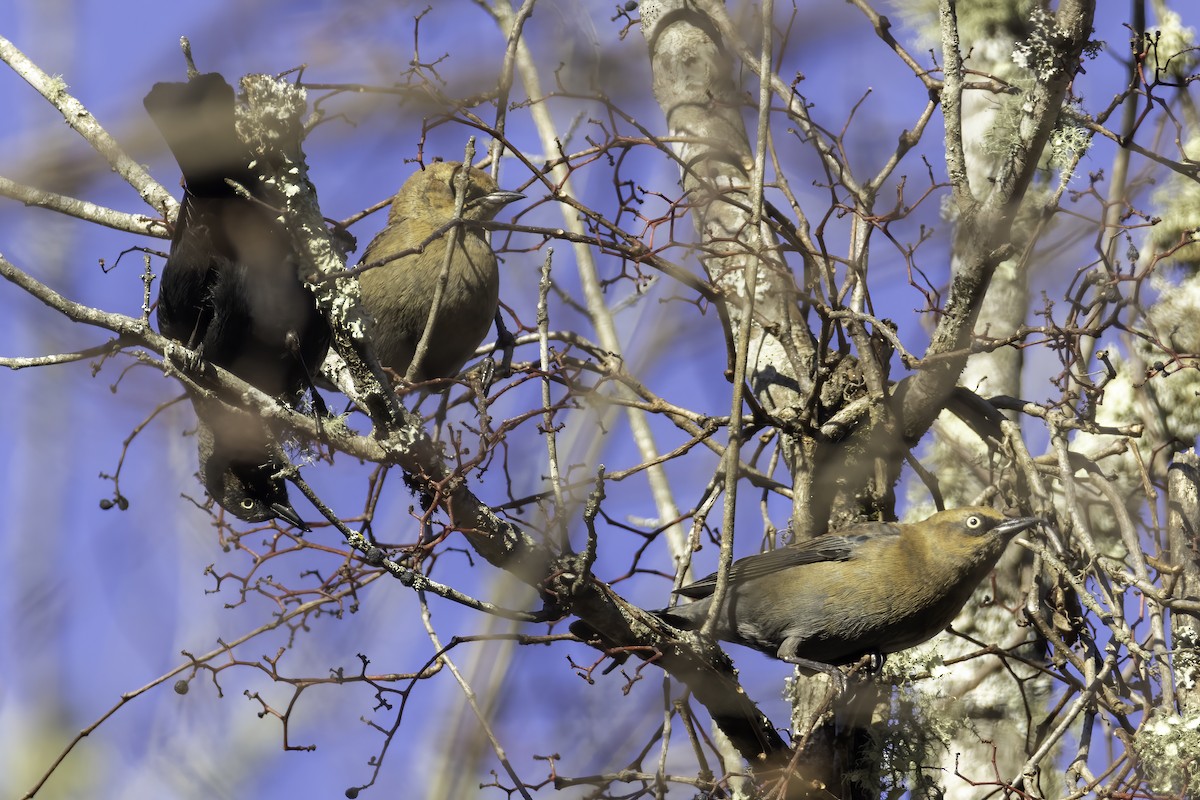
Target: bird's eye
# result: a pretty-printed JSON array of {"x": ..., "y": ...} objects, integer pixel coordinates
[
  {"x": 974, "y": 522},
  {"x": 247, "y": 503}
]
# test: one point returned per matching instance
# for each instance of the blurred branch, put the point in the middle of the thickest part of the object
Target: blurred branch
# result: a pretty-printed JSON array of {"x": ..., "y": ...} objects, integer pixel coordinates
[
  {"x": 54, "y": 89},
  {"x": 1183, "y": 525},
  {"x": 600, "y": 315},
  {"x": 82, "y": 209},
  {"x": 19, "y": 362},
  {"x": 482, "y": 719},
  {"x": 194, "y": 663},
  {"x": 985, "y": 224}
]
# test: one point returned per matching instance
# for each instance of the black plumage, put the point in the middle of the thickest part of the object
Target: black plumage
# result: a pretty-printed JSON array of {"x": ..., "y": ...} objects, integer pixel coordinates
[{"x": 230, "y": 290}]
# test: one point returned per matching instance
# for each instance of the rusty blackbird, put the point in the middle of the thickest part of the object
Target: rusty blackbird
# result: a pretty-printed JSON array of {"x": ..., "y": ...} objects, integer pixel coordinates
[
  {"x": 867, "y": 589},
  {"x": 399, "y": 294},
  {"x": 230, "y": 291},
  {"x": 238, "y": 466}
]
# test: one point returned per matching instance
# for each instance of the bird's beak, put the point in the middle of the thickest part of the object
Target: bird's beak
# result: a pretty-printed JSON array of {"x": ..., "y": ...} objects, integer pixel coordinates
[
  {"x": 501, "y": 199},
  {"x": 1011, "y": 527},
  {"x": 288, "y": 514}
]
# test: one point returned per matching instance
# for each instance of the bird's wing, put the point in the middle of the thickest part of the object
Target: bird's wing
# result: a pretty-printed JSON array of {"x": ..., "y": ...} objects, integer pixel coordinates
[
  {"x": 832, "y": 547},
  {"x": 185, "y": 306},
  {"x": 196, "y": 119},
  {"x": 385, "y": 243}
]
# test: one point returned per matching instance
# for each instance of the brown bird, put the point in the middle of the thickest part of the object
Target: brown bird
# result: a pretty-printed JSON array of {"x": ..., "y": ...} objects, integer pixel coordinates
[
  {"x": 868, "y": 589},
  {"x": 399, "y": 294},
  {"x": 230, "y": 291}
]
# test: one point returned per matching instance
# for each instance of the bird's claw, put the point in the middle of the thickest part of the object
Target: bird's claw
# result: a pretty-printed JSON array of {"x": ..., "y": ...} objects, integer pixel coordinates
[
  {"x": 484, "y": 376},
  {"x": 187, "y": 361}
]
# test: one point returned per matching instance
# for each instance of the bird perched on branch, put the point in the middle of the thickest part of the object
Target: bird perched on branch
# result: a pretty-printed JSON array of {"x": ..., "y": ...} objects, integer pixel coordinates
[
  {"x": 239, "y": 466},
  {"x": 230, "y": 291},
  {"x": 868, "y": 589},
  {"x": 399, "y": 294}
]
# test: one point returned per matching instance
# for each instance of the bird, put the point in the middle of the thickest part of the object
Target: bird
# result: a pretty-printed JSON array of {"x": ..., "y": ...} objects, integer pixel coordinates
[
  {"x": 398, "y": 291},
  {"x": 868, "y": 589},
  {"x": 238, "y": 465},
  {"x": 231, "y": 293}
]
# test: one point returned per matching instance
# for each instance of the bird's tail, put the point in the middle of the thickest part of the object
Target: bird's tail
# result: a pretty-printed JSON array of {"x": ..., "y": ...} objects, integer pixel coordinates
[
  {"x": 196, "y": 119},
  {"x": 679, "y": 616},
  {"x": 675, "y": 616}
]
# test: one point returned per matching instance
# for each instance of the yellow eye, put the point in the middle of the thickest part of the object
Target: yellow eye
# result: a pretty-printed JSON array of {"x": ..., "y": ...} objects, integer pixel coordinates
[
  {"x": 247, "y": 503},
  {"x": 974, "y": 522}
]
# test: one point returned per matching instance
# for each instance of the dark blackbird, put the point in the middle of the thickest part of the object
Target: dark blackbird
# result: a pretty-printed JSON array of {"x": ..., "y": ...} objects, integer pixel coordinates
[
  {"x": 238, "y": 466},
  {"x": 230, "y": 291},
  {"x": 399, "y": 294},
  {"x": 868, "y": 589}
]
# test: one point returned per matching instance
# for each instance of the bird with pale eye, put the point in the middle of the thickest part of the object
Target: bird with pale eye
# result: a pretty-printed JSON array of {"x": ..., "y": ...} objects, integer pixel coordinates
[
  {"x": 399, "y": 290},
  {"x": 868, "y": 589},
  {"x": 238, "y": 465},
  {"x": 230, "y": 291}
]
